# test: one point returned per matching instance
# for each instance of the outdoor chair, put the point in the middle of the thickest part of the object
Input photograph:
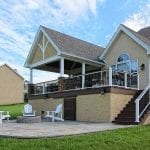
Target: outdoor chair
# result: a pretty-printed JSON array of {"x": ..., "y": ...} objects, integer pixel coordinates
[
  {"x": 28, "y": 112},
  {"x": 55, "y": 115},
  {"x": 4, "y": 115}
]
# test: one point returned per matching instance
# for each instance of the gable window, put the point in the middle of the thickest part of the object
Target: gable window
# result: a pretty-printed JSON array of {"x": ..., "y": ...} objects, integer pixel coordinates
[
  {"x": 123, "y": 57},
  {"x": 125, "y": 64}
]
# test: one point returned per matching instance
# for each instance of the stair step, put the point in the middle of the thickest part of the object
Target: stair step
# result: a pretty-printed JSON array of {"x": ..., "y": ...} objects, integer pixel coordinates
[
  {"x": 126, "y": 122},
  {"x": 125, "y": 118},
  {"x": 131, "y": 111},
  {"x": 127, "y": 114}
]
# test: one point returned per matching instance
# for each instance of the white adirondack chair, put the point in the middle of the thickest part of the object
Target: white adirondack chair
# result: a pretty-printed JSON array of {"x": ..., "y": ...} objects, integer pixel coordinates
[
  {"x": 57, "y": 114},
  {"x": 28, "y": 112},
  {"x": 4, "y": 115}
]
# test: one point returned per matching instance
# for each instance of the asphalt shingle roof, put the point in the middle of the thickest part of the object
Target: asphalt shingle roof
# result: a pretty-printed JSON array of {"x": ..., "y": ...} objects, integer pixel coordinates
[
  {"x": 74, "y": 46},
  {"x": 145, "y": 32}
]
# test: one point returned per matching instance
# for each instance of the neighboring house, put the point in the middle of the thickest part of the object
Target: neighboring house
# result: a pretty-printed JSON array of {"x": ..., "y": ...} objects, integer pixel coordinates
[
  {"x": 11, "y": 86},
  {"x": 103, "y": 83}
]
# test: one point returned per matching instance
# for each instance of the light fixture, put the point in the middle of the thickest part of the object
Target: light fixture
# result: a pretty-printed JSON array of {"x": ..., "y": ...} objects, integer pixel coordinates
[
  {"x": 142, "y": 67},
  {"x": 102, "y": 91}
]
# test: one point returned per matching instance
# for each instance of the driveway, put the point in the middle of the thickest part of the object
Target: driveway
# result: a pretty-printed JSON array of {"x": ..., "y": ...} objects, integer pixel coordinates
[{"x": 50, "y": 129}]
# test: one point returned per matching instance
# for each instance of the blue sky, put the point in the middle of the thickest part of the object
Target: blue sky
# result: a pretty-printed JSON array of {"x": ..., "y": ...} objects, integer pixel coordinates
[{"x": 91, "y": 20}]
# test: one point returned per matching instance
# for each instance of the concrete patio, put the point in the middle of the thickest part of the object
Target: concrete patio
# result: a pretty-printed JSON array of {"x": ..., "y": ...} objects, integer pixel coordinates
[{"x": 49, "y": 129}]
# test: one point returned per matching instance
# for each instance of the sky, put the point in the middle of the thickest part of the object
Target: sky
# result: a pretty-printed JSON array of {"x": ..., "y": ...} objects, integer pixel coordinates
[{"x": 91, "y": 20}]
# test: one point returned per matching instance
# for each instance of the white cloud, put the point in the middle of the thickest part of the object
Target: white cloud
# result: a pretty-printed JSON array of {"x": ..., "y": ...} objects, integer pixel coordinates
[
  {"x": 11, "y": 40},
  {"x": 139, "y": 19},
  {"x": 19, "y": 21}
]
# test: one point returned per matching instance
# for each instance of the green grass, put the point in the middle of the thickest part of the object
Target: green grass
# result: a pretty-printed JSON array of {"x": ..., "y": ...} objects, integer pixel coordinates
[
  {"x": 135, "y": 138},
  {"x": 15, "y": 110}
]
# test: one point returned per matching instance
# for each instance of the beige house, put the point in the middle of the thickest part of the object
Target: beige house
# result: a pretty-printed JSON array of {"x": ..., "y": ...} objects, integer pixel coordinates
[
  {"x": 11, "y": 86},
  {"x": 109, "y": 84}
]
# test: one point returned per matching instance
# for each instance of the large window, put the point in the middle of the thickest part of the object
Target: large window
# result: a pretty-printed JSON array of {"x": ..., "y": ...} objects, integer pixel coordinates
[
  {"x": 125, "y": 64},
  {"x": 123, "y": 57}
]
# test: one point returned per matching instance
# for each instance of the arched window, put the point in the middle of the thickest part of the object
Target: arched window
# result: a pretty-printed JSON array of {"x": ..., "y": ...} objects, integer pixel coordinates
[
  {"x": 125, "y": 64},
  {"x": 123, "y": 57}
]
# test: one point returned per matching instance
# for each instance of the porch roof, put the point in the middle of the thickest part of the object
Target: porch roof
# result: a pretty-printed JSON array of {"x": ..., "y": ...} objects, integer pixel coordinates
[{"x": 72, "y": 46}]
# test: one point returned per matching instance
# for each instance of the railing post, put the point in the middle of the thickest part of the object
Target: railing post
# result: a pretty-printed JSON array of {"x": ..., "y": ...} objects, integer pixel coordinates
[
  {"x": 31, "y": 75},
  {"x": 43, "y": 88},
  {"x": 110, "y": 76},
  {"x": 125, "y": 79},
  {"x": 138, "y": 86},
  {"x": 83, "y": 75},
  {"x": 137, "y": 110}
]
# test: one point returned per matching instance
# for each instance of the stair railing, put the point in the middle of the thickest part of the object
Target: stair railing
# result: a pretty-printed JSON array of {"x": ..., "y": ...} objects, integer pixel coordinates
[{"x": 138, "y": 114}]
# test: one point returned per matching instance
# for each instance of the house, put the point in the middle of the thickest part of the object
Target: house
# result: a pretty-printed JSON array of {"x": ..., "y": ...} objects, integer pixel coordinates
[
  {"x": 11, "y": 86},
  {"x": 103, "y": 85}
]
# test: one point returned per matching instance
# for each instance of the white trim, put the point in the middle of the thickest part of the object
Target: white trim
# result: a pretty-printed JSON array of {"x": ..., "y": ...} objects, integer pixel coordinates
[
  {"x": 61, "y": 67},
  {"x": 45, "y": 46},
  {"x": 125, "y": 80},
  {"x": 41, "y": 48},
  {"x": 50, "y": 40},
  {"x": 125, "y": 30},
  {"x": 37, "y": 36},
  {"x": 110, "y": 76},
  {"x": 137, "y": 103}
]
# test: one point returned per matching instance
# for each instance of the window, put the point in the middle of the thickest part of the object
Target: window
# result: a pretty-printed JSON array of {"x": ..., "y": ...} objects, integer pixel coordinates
[
  {"x": 134, "y": 66},
  {"x": 123, "y": 57},
  {"x": 125, "y": 64}
]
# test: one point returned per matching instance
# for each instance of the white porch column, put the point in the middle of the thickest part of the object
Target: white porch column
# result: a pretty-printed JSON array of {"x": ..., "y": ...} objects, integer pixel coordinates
[
  {"x": 62, "y": 67},
  {"x": 110, "y": 76},
  {"x": 31, "y": 75},
  {"x": 83, "y": 75}
]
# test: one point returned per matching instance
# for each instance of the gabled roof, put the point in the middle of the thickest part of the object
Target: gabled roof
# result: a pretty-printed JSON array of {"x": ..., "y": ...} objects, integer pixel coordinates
[
  {"x": 13, "y": 70},
  {"x": 141, "y": 34},
  {"x": 74, "y": 46},
  {"x": 138, "y": 37}
]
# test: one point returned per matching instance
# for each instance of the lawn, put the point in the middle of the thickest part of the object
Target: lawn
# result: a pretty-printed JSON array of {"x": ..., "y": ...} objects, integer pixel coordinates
[
  {"x": 15, "y": 110},
  {"x": 135, "y": 138}
]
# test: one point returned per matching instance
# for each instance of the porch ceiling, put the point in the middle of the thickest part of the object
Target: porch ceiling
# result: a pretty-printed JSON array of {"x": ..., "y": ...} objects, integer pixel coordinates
[{"x": 70, "y": 67}]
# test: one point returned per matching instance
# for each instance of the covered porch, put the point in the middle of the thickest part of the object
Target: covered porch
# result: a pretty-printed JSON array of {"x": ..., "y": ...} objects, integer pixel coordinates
[
  {"x": 77, "y": 74},
  {"x": 78, "y": 64}
]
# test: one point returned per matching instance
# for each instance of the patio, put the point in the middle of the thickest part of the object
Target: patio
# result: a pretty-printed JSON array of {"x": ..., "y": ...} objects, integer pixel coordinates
[{"x": 53, "y": 129}]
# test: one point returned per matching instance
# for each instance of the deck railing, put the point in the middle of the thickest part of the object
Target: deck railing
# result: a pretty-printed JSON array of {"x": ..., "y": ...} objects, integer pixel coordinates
[
  {"x": 44, "y": 87},
  {"x": 142, "y": 103},
  {"x": 91, "y": 80}
]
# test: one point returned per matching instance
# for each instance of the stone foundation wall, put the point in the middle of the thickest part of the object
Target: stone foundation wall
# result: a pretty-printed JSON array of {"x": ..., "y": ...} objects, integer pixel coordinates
[{"x": 92, "y": 107}]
